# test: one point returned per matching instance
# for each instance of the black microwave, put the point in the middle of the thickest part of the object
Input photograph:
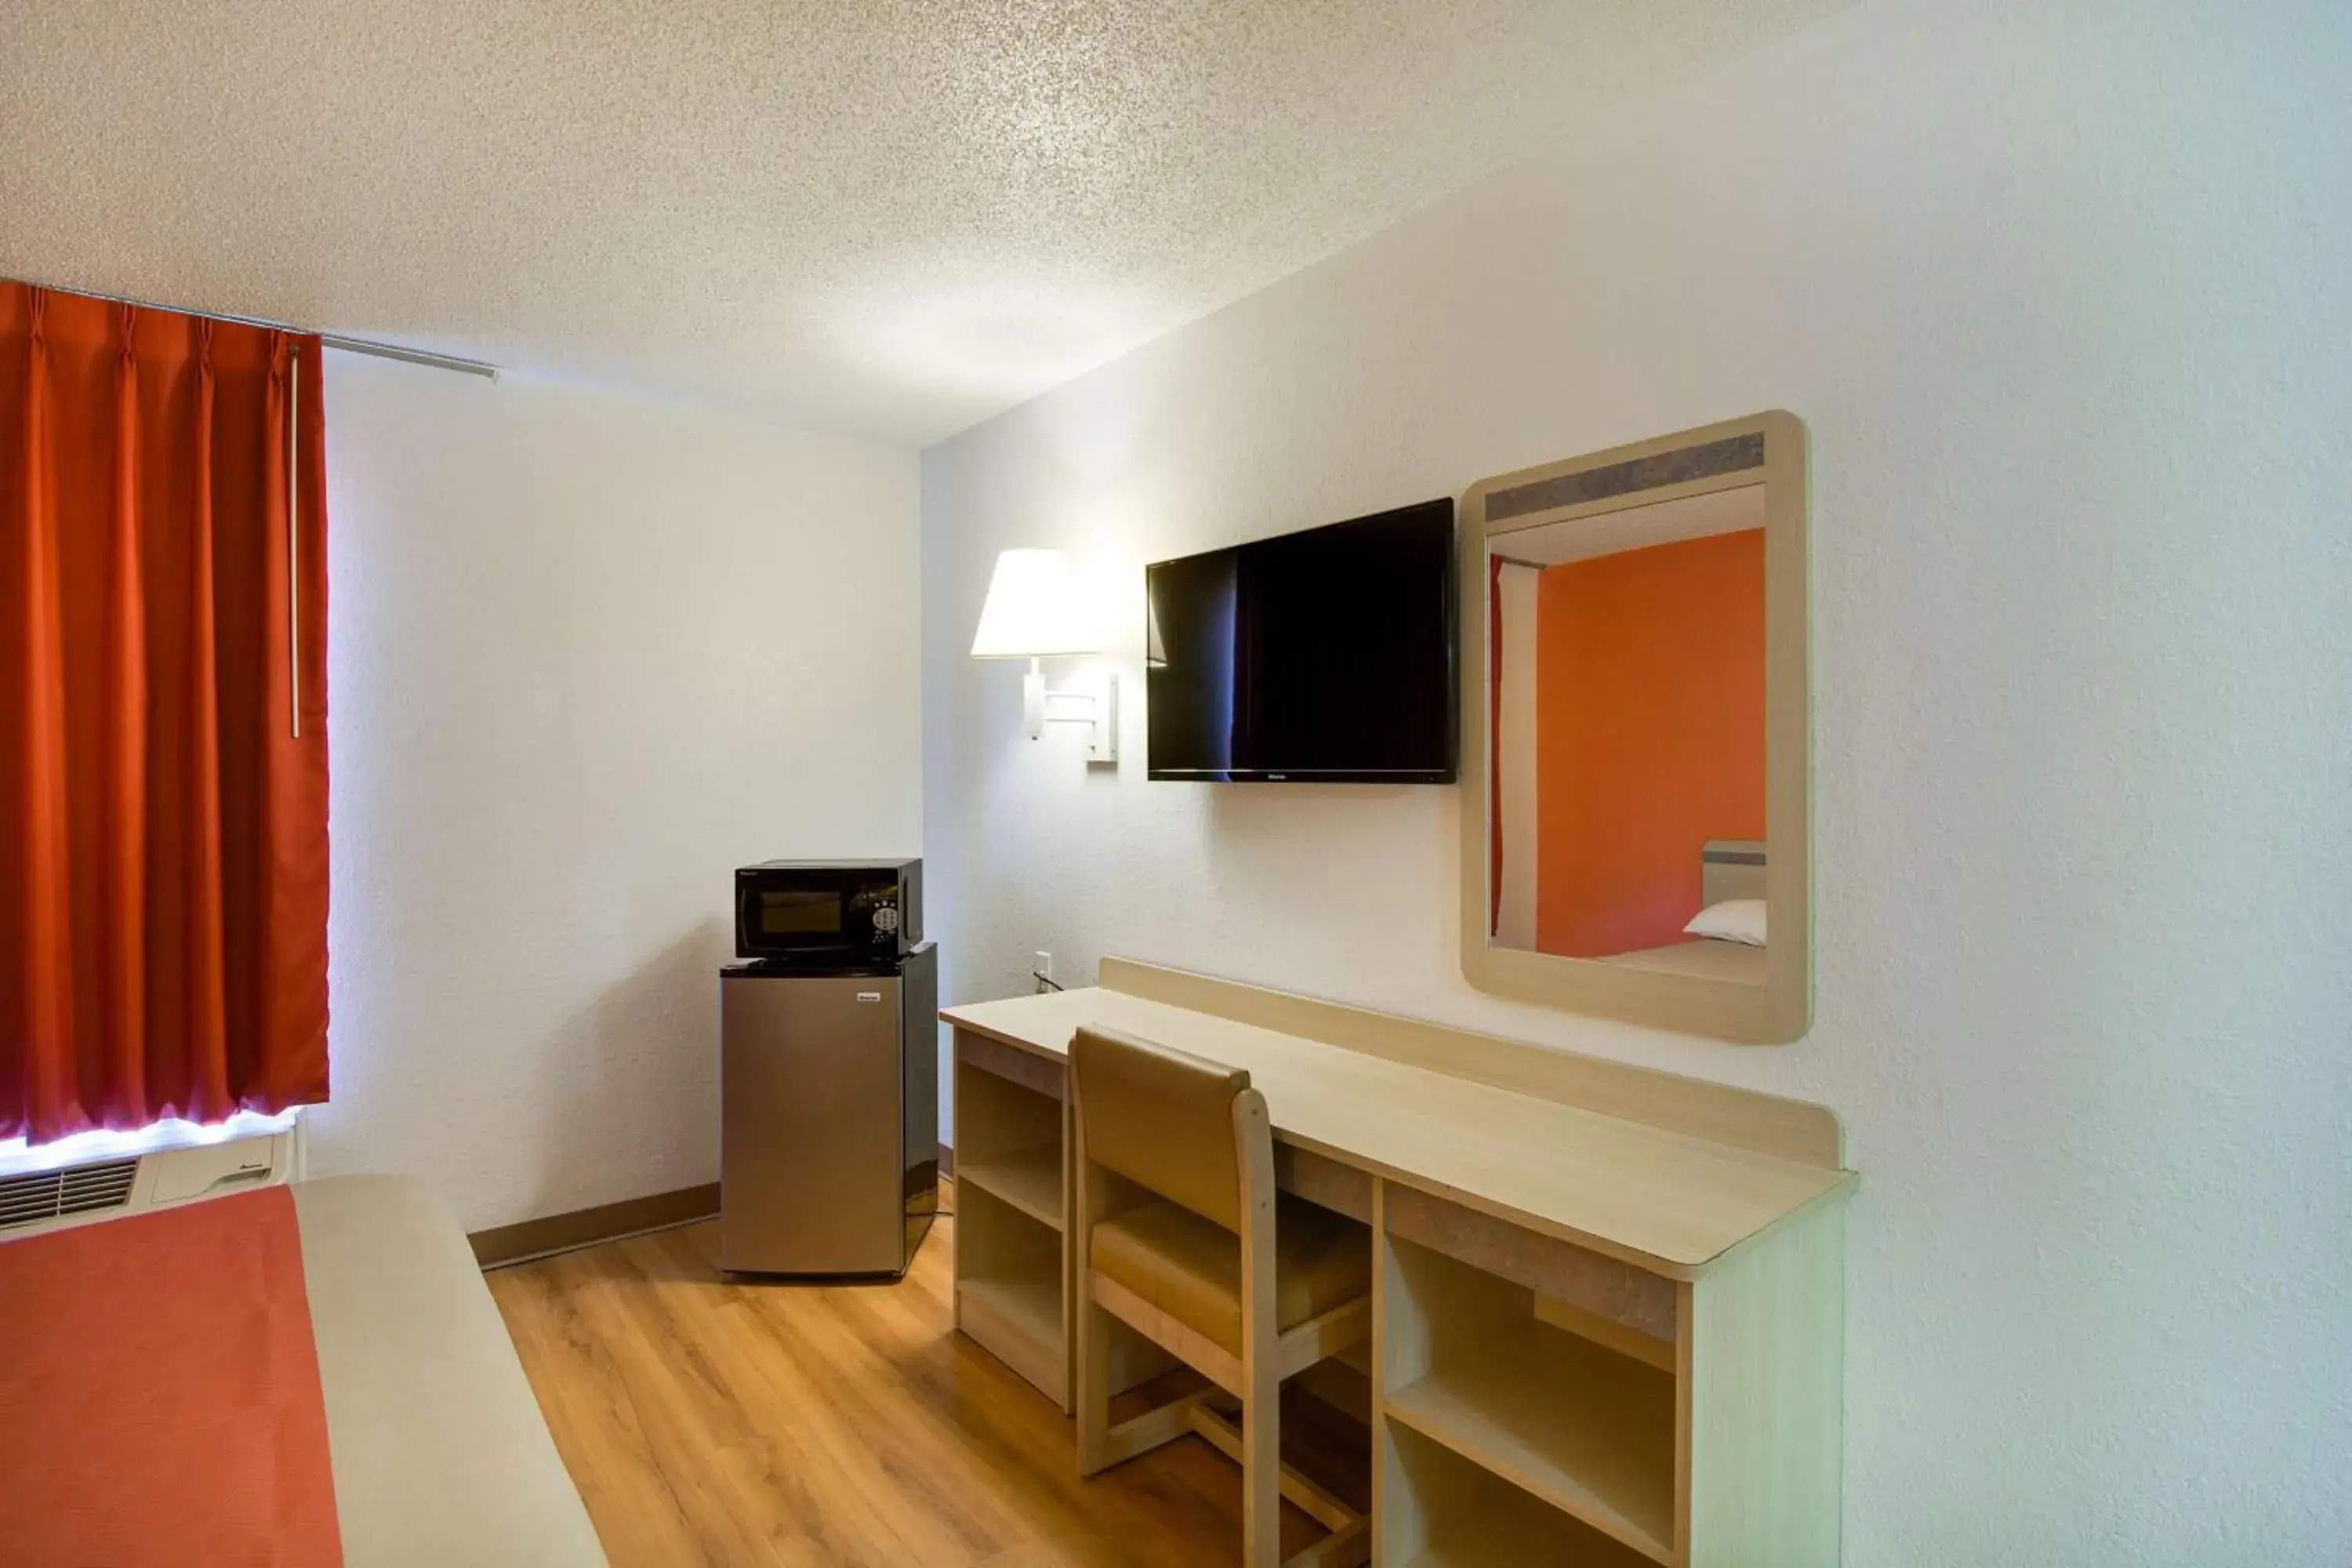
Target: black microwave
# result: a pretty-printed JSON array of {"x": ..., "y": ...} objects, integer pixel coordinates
[{"x": 846, "y": 909}]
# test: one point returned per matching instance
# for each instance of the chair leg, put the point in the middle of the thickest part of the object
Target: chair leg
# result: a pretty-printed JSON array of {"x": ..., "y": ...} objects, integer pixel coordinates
[
  {"x": 1262, "y": 1470},
  {"x": 1349, "y": 1545},
  {"x": 1261, "y": 1379},
  {"x": 1093, "y": 1401}
]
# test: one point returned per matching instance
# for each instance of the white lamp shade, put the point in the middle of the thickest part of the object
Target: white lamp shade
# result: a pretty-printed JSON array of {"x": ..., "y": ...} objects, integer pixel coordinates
[{"x": 1034, "y": 609}]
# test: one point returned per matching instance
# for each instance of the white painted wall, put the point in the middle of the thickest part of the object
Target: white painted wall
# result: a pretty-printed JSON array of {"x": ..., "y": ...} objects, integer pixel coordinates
[
  {"x": 589, "y": 655},
  {"x": 2063, "y": 295}
]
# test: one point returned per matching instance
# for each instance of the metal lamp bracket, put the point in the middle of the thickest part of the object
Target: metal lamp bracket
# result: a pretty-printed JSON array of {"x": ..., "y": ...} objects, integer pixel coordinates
[{"x": 1098, "y": 710}]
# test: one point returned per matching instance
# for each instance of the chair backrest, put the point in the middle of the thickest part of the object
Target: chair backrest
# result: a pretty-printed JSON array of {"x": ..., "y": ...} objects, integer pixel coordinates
[{"x": 1163, "y": 1119}]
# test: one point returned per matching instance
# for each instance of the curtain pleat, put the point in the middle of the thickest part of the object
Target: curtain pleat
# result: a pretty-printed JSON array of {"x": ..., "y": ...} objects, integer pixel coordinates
[
  {"x": 292, "y": 854},
  {"x": 123, "y": 843},
  {"x": 49, "y": 1090},
  {"x": 162, "y": 830},
  {"x": 206, "y": 1085}
]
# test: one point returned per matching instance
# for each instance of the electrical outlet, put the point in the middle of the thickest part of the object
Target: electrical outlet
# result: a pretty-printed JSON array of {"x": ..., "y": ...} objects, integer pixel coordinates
[{"x": 1042, "y": 965}]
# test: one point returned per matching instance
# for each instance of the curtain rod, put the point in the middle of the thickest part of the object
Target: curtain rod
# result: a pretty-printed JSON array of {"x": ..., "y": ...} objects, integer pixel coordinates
[{"x": 424, "y": 357}]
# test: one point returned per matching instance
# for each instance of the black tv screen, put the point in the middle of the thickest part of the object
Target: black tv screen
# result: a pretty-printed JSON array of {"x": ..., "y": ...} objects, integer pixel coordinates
[{"x": 1322, "y": 657}]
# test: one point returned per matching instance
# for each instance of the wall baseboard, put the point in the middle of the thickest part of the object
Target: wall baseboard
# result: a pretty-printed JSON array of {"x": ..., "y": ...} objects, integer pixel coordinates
[
  {"x": 529, "y": 1238},
  {"x": 526, "y": 1239}
]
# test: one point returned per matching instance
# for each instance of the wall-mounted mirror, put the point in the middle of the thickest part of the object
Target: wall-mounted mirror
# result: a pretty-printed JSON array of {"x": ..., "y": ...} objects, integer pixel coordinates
[{"x": 1634, "y": 720}]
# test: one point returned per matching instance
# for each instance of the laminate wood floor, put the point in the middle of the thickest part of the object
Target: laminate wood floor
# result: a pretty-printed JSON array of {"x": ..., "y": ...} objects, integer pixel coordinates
[{"x": 708, "y": 1420}]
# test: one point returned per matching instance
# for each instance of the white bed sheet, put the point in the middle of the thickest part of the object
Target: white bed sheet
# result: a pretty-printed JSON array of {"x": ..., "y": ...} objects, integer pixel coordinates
[
  {"x": 1701, "y": 956},
  {"x": 440, "y": 1453}
]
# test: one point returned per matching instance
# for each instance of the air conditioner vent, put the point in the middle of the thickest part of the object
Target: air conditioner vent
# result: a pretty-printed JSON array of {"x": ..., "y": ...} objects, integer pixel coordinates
[{"x": 78, "y": 1189}]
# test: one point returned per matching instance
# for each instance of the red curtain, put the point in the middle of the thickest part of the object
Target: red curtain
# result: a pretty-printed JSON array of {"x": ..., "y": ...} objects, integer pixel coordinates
[{"x": 162, "y": 828}]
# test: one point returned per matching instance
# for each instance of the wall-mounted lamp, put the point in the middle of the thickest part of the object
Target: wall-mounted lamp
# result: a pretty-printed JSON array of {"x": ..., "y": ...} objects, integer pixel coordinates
[{"x": 1034, "y": 611}]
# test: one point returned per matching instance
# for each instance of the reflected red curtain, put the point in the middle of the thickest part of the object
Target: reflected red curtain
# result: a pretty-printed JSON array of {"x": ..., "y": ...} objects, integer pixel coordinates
[
  {"x": 162, "y": 828},
  {"x": 1494, "y": 744}
]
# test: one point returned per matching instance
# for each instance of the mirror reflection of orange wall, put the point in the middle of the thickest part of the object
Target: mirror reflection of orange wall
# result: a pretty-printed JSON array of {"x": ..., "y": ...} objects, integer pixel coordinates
[{"x": 1649, "y": 735}]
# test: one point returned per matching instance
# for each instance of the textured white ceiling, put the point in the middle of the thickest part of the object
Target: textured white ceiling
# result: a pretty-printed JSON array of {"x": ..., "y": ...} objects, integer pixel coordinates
[{"x": 890, "y": 217}]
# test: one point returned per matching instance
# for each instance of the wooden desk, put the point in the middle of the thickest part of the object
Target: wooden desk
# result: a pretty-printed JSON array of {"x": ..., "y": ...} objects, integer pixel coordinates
[{"x": 1608, "y": 1302}]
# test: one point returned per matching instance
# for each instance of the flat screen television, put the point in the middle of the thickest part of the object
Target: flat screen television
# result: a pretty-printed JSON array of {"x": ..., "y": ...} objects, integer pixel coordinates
[{"x": 1325, "y": 657}]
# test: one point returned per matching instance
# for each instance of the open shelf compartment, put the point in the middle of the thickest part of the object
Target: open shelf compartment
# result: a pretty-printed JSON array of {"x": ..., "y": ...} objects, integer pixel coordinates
[
  {"x": 1585, "y": 1429},
  {"x": 1030, "y": 1179},
  {"x": 1444, "y": 1511},
  {"x": 1009, "y": 1140},
  {"x": 1009, "y": 1288},
  {"x": 1011, "y": 1263}
]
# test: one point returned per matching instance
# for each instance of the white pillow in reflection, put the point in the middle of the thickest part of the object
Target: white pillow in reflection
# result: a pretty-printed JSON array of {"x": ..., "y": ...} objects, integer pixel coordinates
[{"x": 1734, "y": 920}]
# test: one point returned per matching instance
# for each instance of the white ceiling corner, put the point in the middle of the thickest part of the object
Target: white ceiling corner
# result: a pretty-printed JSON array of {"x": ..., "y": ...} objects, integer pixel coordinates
[{"x": 892, "y": 218}]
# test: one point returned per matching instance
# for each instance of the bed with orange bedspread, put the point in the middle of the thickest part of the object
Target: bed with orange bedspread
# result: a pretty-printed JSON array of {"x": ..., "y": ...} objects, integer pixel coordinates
[{"x": 304, "y": 1375}]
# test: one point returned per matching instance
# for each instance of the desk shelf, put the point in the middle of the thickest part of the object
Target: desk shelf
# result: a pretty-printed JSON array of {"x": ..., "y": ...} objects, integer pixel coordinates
[
  {"x": 1012, "y": 1262},
  {"x": 1518, "y": 1427},
  {"x": 1585, "y": 1429},
  {"x": 1464, "y": 1516},
  {"x": 1009, "y": 1300},
  {"x": 1029, "y": 1179}
]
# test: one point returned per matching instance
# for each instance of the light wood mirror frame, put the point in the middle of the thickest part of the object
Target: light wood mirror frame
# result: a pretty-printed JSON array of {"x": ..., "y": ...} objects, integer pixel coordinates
[{"x": 1642, "y": 474}]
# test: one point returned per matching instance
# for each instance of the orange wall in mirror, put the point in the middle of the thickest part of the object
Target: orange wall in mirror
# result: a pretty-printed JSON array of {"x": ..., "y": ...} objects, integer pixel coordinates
[{"x": 1650, "y": 735}]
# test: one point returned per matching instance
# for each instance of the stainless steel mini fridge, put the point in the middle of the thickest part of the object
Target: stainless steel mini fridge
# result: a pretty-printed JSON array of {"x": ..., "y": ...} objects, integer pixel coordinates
[{"x": 829, "y": 1156}]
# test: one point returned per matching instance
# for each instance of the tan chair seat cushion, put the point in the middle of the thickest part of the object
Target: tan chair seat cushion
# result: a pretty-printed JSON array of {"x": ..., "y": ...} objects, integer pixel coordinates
[{"x": 1191, "y": 1269}]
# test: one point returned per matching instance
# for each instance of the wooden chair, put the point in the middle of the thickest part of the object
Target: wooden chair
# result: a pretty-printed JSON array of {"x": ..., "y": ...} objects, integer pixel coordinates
[{"x": 1182, "y": 1235}]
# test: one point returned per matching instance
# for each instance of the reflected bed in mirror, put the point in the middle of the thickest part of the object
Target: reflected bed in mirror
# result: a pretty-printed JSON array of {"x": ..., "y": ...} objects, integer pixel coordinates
[
  {"x": 1640, "y": 747},
  {"x": 1725, "y": 939}
]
